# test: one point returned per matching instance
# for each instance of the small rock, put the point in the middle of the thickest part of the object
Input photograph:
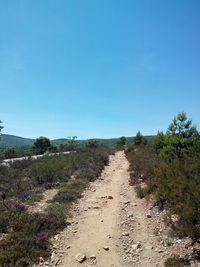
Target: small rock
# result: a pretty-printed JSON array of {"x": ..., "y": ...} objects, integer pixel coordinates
[
  {"x": 148, "y": 215},
  {"x": 136, "y": 246},
  {"x": 41, "y": 259},
  {"x": 106, "y": 248},
  {"x": 92, "y": 257},
  {"x": 126, "y": 202},
  {"x": 110, "y": 197},
  {"x": 68, "y": 247},
  {"x": 125, "y": 234},
  {"x": 158, "y": 250},
  {"x": 80, "y": 257}
]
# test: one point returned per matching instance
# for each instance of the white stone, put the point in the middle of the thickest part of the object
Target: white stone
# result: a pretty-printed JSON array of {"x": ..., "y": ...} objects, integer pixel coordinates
[{"x": 136, "y": 246}]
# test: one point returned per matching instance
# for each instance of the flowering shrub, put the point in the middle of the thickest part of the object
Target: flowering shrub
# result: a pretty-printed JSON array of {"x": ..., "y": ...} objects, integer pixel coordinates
[{"x": 29, "y": 234}]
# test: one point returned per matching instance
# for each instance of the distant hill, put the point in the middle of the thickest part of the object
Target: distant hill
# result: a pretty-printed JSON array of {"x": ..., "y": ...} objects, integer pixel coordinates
[
  {"x": 59, "y": 141},
  {"x": 7, "y": 140},
  {"x": 22, "y": 143}
]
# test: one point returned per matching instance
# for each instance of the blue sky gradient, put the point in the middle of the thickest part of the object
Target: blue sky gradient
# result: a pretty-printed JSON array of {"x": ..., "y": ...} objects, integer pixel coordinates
[{"x": 98, "y": 68}]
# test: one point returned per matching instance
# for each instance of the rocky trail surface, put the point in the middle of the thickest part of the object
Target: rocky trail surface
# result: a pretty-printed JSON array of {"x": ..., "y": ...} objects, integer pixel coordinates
[{"x": 110, "y": 226}]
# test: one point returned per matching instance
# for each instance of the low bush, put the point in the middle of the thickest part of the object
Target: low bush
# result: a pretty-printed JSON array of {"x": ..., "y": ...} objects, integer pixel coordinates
[
  {"x": 178, "y": 186},
  {"x": 143, "y": 164},
  {"x": 174, "y": 262},
  {"x": 70, "y": 192},
  {"x": 28, "y": 241},
  {"x": 10, "y": 211},
  {"x": 139, "y": 191}
]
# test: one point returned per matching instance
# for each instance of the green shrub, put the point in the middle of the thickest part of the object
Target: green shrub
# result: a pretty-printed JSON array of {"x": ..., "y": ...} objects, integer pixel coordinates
[
  {"x": 30, "y": 237},
  {"x": 23, "y": 248},
  {"x": 33, "y": 198},
  {"x": 70, "y": 192},
  {"x": 143, "y": 165},
  {"x": 10, "y": 211},
  {"x": 174, "y": 262},
  {"x": 141, "y": 192},
  {"x": 179, "y": 187}
]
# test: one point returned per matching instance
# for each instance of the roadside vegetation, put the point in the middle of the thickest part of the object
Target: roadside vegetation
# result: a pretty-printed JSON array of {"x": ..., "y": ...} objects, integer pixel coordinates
[
  {"x": 26, "y": 236},
  {"x": 170, "y": 168}
]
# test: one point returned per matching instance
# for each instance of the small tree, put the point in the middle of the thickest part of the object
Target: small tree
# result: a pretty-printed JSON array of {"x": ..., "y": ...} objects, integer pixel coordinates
[
  {"x": 182, "y": 127},
  {"x": 71, "y": 144},
  {"x": 180, "y": 138},
  {"x": 138, "y": 139},
  {"x": 9, "y": 153},
  {"x": 41, "y": 145},
  {"x": 121, "y": 141},
  {"x": 159, "y": 142},
  {"x": 92, "y": 143}
]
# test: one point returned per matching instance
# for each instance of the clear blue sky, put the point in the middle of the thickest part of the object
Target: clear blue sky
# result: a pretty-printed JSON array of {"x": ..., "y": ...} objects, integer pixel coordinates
[{"x": 98, "y": 68}]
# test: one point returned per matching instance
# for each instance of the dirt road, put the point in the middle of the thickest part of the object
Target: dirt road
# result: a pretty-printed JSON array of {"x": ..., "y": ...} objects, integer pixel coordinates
[
  {"x": 7, "y": 162},
  {"x": 109, "y": 227}
]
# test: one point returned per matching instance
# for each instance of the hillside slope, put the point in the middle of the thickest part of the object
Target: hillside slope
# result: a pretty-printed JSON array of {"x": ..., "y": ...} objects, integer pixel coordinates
[
  {"x": 22, "y": 143},
  {"x": 7, "y": 140}
]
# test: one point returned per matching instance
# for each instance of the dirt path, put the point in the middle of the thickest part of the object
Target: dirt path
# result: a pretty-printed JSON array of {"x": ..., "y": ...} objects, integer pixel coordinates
[
  {"x": 43, "y": 203},
  {"x": 109, "y": 227},
  {"x": 7, "y": 162}
]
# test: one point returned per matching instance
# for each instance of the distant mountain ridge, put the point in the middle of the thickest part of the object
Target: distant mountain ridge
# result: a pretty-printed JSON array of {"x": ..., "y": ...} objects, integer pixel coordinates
[
  {"x": 7, "y": 140},
  {"x": 18, "y": 142},
  {"x": 22, "y": 143}
]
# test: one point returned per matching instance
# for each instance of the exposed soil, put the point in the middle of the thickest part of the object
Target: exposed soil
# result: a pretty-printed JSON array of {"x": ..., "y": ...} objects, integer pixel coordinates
[
  {"x": 111, "y": 227},
  {"x": 43, "y": 203}
]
